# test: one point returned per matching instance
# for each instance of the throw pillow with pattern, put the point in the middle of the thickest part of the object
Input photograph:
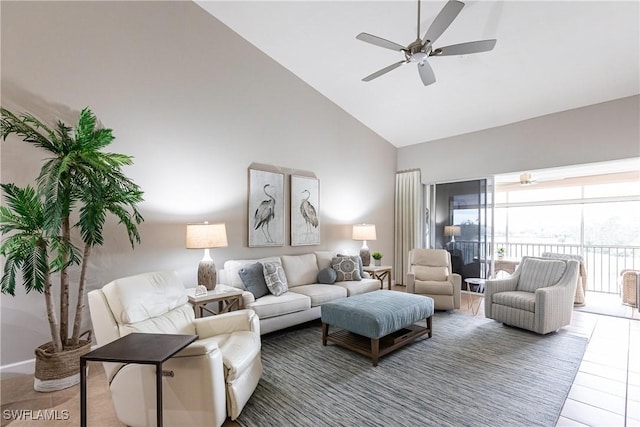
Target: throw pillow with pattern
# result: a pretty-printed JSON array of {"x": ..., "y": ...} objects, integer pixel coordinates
[
  {"x": 275, "y": 278},
  {"x": 346, "y": 268}
]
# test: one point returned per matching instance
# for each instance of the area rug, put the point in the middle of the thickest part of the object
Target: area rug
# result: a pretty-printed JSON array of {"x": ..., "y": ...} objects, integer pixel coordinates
[{"x": 472, "y": 372}]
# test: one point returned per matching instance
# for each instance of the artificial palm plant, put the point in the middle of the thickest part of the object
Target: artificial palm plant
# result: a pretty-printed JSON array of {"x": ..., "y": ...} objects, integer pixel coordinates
[{"x": 78, "y": 186}]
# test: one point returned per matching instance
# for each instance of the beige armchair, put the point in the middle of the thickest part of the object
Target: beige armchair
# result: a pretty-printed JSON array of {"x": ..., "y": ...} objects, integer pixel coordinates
[
  {"x": 210, "y": 379},
  {"x": 538, "y": 296},
  {"x": 430, "y": 274}
]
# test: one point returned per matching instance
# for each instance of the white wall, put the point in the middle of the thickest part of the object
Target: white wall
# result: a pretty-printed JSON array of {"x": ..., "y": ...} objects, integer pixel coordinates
[
  {"x": 597, "y": 133},
  {"x": 195, "y": 105}
]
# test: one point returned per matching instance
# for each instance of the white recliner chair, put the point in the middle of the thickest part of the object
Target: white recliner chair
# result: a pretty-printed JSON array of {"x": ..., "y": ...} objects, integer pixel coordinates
[{"x": 211, "y": 378}]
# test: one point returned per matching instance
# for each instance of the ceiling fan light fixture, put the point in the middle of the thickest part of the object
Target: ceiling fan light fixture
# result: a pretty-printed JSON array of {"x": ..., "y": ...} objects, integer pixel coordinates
[{"x": 418, "y": 57}]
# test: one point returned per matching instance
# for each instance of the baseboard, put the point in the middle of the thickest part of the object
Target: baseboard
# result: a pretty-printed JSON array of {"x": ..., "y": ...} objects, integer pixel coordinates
[{"x": 25, "y": 367}]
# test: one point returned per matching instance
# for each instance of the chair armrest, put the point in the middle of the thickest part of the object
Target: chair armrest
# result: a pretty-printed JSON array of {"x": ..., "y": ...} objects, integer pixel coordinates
[
  {"x": 562, "y": 292},
  {"x": 240, "y": 320},
  {"x": 456, "y": 280},
  {"x": 198, "y": 348},
  {"x": 411, "y": 283}
]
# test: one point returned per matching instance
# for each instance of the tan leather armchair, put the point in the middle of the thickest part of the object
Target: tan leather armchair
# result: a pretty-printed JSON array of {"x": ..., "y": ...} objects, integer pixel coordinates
[
  {"x": 211, "y": 378},
  {"x": 537, "y": 297},
  {"x": 430, "y": 274}
]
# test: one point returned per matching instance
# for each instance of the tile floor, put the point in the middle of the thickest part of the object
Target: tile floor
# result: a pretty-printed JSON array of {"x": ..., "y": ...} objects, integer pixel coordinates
[{"x": 605, "y": 392}]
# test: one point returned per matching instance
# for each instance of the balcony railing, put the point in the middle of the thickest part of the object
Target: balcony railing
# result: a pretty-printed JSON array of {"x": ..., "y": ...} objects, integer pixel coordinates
[{"x": 603, "y": 263}]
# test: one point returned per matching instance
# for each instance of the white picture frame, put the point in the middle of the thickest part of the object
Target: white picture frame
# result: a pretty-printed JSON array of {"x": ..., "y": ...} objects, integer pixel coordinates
[
  {"x": 266, "y": 212},
  {"x": 305, "y": 210}
]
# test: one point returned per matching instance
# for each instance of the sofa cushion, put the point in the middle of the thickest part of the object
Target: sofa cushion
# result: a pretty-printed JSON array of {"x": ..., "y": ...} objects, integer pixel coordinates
[
  {"x": 300, "y": 269},
  {"x": 232, "y": 269},
  {"x": 327, "y": 276},
  {"x": 516, "y": 299},
  {"x": 320, "y": 294},
  {"x": 357, "y": 287},
  {"x": 272, "y": 306},
  {"x": 275, "y": 278},
  {"x": 538, "y": 273},
  {"x": 253, "y": 279},
  {"x": 324, "y": 258}
]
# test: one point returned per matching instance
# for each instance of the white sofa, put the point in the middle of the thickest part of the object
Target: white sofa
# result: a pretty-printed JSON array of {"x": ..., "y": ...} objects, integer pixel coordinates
[{"x": 301, "y": 303}]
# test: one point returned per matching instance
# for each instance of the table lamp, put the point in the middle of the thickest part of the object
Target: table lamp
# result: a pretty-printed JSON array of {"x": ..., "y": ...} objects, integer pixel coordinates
[
  {"x": 453, "y": 231},
  {"x": 364, "y": 232},
  {"x": 206, "y": 236}
]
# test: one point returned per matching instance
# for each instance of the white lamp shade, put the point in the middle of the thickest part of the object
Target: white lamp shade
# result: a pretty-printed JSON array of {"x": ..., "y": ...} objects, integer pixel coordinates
[
  {"x": 452, "y": 230},
  {"x": 204, "y": 236},
  {"x": 364, "y": 232}
]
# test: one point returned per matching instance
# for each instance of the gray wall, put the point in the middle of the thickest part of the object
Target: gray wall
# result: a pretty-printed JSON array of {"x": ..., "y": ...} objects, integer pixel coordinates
[
  {"x": 597, "y": 133},
  {"x": 195, "y": 104}
]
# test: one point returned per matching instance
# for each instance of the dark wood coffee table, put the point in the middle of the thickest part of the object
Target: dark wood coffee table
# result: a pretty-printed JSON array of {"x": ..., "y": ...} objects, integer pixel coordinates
[{"x": 145, "y": 349}]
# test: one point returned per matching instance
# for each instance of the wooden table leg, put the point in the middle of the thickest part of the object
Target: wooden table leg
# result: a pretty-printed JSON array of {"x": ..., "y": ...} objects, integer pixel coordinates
[
  {"x": 325, "y": 331},
  {"x": 375, "y": 350}
]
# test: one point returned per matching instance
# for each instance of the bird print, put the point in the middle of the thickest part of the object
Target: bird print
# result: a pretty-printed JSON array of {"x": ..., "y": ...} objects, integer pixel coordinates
[
  {"x": 264, "y": 214},
  {"x": 308, "y": 212}
]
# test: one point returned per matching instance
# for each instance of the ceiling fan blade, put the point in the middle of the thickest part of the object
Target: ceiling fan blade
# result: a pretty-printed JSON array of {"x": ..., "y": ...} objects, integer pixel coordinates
[
  {"x": 443, "y": 20},
  {"x": 378, "y": 41},
  {"x": 426, "y": 73},
  {"x": 383, "y": 71},
  {"x": 464, "y": 48}
]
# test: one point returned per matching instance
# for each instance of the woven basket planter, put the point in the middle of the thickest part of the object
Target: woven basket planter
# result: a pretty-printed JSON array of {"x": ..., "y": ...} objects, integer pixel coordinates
[{"x": 57, "y": 371}]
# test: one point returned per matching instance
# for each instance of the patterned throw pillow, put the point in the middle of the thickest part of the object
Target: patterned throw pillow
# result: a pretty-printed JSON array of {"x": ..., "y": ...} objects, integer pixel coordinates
[
  {"x": 253, "y": 279},
  {"x": 360, "y": 266},
  {"x": 346, "y": 268},
  {"x": 275, "y": 278}
]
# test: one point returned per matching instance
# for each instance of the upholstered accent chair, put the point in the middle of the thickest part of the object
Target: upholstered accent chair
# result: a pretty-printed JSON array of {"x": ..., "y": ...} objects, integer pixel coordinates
[
  {"x": 210, "y": 379},
  {"x": 430, "y": 274},
  {"x": 537, "y": 297},
  {"x": 581, "y": 288}
]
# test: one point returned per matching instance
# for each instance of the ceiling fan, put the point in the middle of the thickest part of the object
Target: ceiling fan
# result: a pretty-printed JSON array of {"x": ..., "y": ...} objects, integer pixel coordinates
[{"x": 418, "y": 51}]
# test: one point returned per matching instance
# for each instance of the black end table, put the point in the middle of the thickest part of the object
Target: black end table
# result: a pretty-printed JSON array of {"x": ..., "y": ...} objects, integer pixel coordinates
[{"x": 145, "y": 349}]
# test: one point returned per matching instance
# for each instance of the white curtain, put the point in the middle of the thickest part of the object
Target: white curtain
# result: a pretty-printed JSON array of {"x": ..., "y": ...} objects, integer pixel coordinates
[{"x": 409, "y": 219}]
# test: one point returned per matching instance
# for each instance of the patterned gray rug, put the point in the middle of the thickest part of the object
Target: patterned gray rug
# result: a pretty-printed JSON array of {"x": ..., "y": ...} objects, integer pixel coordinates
[{"x": 472, "y": 372}]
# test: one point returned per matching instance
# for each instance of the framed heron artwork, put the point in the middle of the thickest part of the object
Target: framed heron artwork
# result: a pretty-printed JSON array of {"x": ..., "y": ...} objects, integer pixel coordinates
[
  {"x": 305, "y": 211},
  {"x": 266, "y": 208}
]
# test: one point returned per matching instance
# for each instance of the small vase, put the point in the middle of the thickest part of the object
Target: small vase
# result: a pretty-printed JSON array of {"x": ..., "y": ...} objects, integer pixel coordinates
[{"x": 377, "y": 262}]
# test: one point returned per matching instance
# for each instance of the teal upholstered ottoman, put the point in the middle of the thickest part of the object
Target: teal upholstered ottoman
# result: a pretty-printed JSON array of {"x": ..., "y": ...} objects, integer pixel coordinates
[{"x": 376, "y": 323}]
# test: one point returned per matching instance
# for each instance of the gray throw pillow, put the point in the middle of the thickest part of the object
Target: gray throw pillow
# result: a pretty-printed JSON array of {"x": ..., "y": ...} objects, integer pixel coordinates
[
  {"x": 253, "y": 279},
  {"x": 275, "y": 278},
  {"x": 346, "y": 268},
  {"x": 327, "y": 276}
]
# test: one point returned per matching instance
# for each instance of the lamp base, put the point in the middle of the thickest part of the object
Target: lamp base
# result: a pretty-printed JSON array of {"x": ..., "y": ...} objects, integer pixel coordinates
[
  {"x": 207, "y": 274},
  {"x": 365, "y": 255}
]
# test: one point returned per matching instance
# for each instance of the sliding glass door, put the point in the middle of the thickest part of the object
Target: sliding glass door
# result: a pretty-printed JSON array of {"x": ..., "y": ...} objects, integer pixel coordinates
[{"x": 461, "y": 223}]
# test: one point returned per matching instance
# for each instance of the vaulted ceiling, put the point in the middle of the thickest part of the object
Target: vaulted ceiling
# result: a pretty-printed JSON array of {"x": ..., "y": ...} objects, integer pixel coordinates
[{"x": 550, "y": 56}]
